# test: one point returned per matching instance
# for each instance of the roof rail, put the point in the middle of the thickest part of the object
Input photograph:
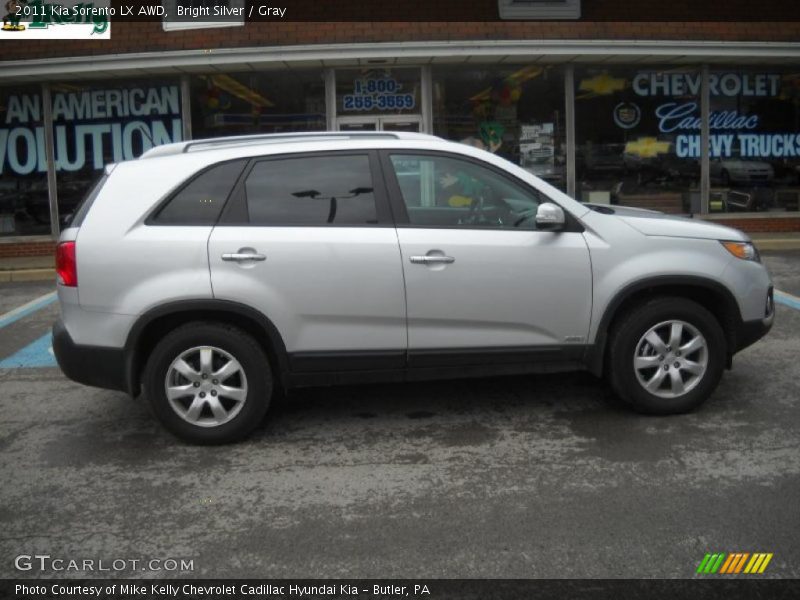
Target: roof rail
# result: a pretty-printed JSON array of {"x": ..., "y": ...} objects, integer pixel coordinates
[{"x": 267, "y": 138}]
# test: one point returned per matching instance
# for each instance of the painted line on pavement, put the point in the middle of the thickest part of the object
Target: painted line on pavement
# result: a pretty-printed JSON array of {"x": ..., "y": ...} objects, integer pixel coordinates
[
  {"x": 787, "y": 299},
  {"x": 35, "y": 354},
  {"x": 26, "y": 309}
]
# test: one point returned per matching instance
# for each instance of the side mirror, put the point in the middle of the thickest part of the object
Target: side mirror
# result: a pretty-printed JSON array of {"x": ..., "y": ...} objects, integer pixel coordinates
[{"x": 550, "y": 217}]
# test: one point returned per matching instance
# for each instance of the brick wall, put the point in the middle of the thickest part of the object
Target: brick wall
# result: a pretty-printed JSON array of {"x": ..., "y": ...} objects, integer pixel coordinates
[
  {"x": 150, "y": 37},
  {"x": 23, "y": 249}
]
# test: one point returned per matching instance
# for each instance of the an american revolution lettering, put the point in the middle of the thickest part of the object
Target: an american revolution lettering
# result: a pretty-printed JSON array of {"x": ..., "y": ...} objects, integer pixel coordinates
[{"x": 91, "y": 128}]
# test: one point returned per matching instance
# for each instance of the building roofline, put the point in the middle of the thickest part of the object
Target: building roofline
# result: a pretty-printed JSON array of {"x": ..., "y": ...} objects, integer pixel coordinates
[{"x": 398, "y": 54}]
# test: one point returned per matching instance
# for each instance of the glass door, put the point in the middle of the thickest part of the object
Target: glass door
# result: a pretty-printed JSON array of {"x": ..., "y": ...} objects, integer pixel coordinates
[
  {"x": 388, "y": 123},
  {"x": 401, "y": 123},
  {"x": 358, "y": 124}
]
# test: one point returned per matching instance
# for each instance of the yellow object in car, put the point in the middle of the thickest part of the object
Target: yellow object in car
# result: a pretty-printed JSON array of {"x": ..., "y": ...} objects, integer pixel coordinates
[{"x": 459, "y": 201}]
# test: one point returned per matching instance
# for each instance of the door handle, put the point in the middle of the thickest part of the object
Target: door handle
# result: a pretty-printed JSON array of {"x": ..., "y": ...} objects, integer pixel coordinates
[
  {"x": 240, "y": 256},
  {"x": 432, "y": 260}
]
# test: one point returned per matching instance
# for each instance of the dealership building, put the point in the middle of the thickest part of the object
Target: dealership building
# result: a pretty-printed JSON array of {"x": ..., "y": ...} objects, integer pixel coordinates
[{"x": 656, "y": 105}]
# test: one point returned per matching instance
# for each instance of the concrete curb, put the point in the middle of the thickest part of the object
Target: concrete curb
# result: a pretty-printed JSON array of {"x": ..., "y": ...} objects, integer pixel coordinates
[{"x": 27, "y": 275}]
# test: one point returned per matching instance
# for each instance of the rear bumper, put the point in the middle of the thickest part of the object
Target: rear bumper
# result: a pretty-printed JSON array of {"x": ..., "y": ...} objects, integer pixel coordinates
[{"x": 96, "y": 366}]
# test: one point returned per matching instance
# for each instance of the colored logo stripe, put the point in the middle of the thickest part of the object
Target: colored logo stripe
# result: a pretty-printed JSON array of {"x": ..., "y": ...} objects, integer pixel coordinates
[
  {"x": 711, "y": 563},
  {"x": 737, "y": 563},
  {"x": 758, "y": 563},
  {"x": 734, "y": 563},
  {"x": 727, "y": 565}
]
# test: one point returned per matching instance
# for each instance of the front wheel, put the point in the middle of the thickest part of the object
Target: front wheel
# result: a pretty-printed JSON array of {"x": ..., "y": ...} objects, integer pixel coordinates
[
  {"x": 208, "y": 383},
  {"x": 666, "y": 356}
]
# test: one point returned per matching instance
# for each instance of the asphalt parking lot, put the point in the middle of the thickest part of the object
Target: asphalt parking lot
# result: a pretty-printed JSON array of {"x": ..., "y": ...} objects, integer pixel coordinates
[{"x": 523, "y": 477}]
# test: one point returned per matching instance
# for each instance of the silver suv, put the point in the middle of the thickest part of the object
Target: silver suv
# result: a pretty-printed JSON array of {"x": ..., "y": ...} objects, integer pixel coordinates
[{"x": 210, "y": 275}]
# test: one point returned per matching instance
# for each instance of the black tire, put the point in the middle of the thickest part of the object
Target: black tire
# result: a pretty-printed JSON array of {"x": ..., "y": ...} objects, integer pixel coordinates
[
  {"x": 256, "y": 382},
  {"x": 624, "y": 343}
]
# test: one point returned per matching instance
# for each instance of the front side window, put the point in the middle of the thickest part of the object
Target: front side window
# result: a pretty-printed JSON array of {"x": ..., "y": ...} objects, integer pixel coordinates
[
  {"x": 319, "y": 190},
  {"x": 440, "y": 191}
]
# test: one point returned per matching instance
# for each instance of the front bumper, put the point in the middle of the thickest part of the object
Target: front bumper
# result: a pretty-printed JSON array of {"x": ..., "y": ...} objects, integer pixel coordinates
[
  {"x": 752, "y": 331},
  {"x": 96, "y": 366},
  {"x": 749, "y": 332}
]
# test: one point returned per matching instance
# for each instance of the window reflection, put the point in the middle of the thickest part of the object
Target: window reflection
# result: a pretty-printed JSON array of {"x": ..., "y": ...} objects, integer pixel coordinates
[
  {"x": 516, "y": 112},
  {"x": 335, "y": 190},
  {"x": 755, "y": 139},
  {"x": 629, "y": 130},
  {"x": 266, "y": 102},
  {"x": 24, "y": 201}
]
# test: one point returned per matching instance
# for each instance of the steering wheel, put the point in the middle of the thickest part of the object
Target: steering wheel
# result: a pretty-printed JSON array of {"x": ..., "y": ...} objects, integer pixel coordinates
[
  {"x": 477, "y": 209},
  {"x": 475, "y": 212}
]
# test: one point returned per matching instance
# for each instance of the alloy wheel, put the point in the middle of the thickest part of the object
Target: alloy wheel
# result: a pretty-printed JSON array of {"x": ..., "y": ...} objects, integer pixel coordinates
[
  {"x": 671, "y": 359},
  {"x": 206, "y": 386}
]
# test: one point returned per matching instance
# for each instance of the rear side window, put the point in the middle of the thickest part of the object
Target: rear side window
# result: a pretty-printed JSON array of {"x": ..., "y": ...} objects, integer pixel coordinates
[
  {"x": 318, "y": 190},
  {"x": 201, "y": 200}
]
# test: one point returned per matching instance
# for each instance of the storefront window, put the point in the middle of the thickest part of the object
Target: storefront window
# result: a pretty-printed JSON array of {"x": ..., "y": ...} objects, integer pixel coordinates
[
  {"x": 755, "y": 139},
  {"x": 264, "y": 102},
  {"x": 24, "y": 203},
  {"x": 377, "y": 91},
  {"x": 94, "y": 125},
  {"x": 515, "y": 112},
  {"x": 637, "y": 136}
]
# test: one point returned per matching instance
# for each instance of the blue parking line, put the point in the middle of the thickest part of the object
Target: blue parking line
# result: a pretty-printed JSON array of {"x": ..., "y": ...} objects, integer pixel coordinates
[
  {"x": 787, "y": 299},
  {"x": 20, "y": 312},
  {"x": 35, "y": 354}
]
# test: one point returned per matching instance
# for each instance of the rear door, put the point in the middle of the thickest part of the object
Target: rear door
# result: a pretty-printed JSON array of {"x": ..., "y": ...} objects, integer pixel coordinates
[{"x": 308, "y": 240}]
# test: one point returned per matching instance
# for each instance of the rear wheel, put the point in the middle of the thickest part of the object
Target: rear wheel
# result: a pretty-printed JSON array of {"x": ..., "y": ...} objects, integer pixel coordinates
[
  {"x": 208, "y": 383},
  {"x": 666, "y": 356}
]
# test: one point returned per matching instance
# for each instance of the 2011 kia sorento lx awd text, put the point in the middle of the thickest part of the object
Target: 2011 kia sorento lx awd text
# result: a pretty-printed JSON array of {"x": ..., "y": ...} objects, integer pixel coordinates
[{"x": 206, "y": 275}]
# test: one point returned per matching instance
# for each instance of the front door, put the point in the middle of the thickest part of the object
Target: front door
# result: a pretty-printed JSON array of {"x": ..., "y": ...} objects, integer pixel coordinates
[{"x": 478, "y": 274}]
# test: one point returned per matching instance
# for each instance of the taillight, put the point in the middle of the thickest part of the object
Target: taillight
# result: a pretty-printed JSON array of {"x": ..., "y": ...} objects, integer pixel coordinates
[{"x": 66, "y": 265}]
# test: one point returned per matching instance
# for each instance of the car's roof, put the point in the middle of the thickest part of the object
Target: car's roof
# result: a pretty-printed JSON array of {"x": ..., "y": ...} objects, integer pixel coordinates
[{"x": 270, "y": 141}]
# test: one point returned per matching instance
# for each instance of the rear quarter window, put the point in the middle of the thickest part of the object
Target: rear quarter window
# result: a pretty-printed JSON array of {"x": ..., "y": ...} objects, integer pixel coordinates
[
  {"x": 201, "y": 199},
  {"x": 83, "y": 207}
]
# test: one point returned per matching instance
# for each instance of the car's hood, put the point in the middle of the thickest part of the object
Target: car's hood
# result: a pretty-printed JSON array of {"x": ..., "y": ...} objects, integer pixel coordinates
[{"x": 650, "y": 222}]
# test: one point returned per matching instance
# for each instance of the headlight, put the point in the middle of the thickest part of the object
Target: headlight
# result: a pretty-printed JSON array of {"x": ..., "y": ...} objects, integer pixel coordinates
[{"x": 743, "y": 250}]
